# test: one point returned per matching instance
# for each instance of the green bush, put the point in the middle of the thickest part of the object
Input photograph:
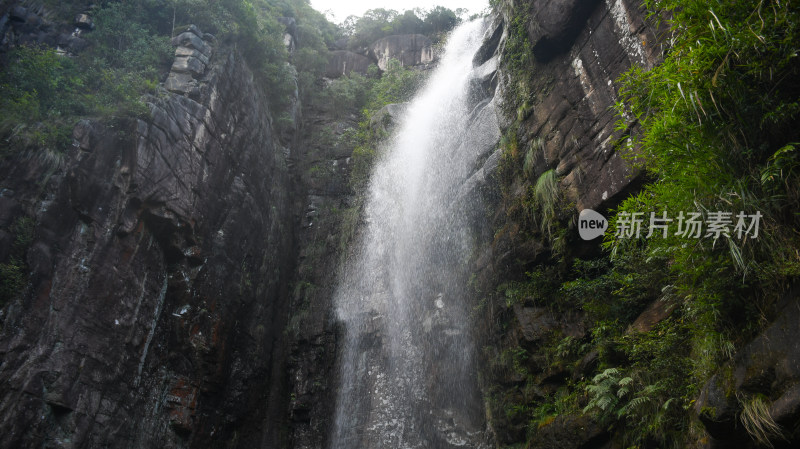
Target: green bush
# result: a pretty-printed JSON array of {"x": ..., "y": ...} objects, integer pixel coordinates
[
  {"x": 14, "y": 271},
  {"x": 39, "y": 92}
]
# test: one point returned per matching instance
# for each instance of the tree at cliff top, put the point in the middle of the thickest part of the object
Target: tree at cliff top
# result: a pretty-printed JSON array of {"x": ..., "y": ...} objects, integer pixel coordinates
[
  {"x": 43, "y": 94},
  {"x": 380, "y": 22}
]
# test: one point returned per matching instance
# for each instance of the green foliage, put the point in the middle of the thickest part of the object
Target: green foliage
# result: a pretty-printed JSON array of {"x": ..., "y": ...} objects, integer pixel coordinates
[
  {"x": 43, "y": 94},
  {"x": 545, "y": 195},
  {"x": 367, "y": 94},
  {"x": 124, "y": 40},
  {"x": 397, "y": 84},
  {"x": 718, "y": 125},
  {"x": 716, "y": 132},
  {"x": 345, "y": 95},
  {"x": 540, "y": 285},
  {"x": 380, "y": 22},
  {"x": 14, "y": 271},
  {"x": 758, "y": 421},
  {"x": 37, "y": 91},
  {"x": 618, "y": 397},
  {"x": 517, "y": 58}
]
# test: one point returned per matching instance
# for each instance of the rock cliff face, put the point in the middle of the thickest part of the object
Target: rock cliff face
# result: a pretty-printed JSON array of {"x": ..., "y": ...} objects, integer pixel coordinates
[
  {"x": 343, "y": 62},
  {"x": 329, "y": 215},
  {"x": 31, "y": 25},
  {"x": 156, "y": 302},
  {"x": 766, "y": 371},
  {"x": 581, "y": 49},
  {"x": 411, "y": 50},
  {"x": 180, "y": 275},
  {"x": 567, "y": 124}
]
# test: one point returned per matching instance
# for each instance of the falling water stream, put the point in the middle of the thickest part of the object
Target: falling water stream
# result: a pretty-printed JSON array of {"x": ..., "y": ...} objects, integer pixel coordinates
[{"x": 406, "y": 371}]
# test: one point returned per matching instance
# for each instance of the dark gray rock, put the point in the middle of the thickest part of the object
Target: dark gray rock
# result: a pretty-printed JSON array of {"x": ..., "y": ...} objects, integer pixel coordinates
[
  {"x": 194, "y": 29},
  {"x": 27, "y": 25},
  {"x": 18, "y": 13},
  {"x": 183, "y": 83},
  {"x": 535, "y": 323},
  {"x": 556, "y": 24},
  {"x": 83, "y": 21},
  {"x": 570, "y": 431},
  {"x": 768, "y": 366},
  {"x": 155, "y": 308},
  {"x": 571, "y": 118},
  {"x": 491, "y": 41},
  {"x": 290, "y": 23}
]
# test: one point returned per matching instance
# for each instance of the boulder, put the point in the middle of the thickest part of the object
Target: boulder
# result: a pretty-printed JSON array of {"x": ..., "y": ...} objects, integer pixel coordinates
[
  {"x": 570, "y": 431},
  {"x": 768, "y": 366},
  {"x": 656, "y": 312},
  {"x": 84, "y": 22},
  {"x": 288, "y": 42},
  {"x": 409, "y": 49},
  {"x": 188, "y": 64},
  {"x": 182, "y": 83},
  {"x": 185, "y": 51},
  {"x": 290, "y": 24},
  {"x": 342, "y": 62},
  {"x": 491, "y": 42},
  {"x": 18, "y": 13},
  {"x": 556, "y": 25},
  {"x": 191, "y": 40}
]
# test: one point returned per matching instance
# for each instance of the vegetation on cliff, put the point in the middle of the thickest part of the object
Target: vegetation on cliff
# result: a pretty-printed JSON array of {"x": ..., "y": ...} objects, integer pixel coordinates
[
  {"x": 714, "y": 126},
  {"x": 380, "y": 22},
  {"x": 128, "y": 53}
]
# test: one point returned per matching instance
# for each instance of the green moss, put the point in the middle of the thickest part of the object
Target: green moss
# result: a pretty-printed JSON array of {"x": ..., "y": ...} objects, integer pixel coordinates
[{"x": 14, "y": 271}]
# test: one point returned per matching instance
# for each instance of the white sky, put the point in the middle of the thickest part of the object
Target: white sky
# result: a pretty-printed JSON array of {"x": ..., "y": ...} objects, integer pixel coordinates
[{"x": 340, "y": 9}]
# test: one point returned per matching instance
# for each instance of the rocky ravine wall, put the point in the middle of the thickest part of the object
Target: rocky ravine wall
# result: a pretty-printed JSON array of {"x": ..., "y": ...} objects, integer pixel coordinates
[
  {"x": 579, "y": 49},
  {"x": 155, "y": 310}
]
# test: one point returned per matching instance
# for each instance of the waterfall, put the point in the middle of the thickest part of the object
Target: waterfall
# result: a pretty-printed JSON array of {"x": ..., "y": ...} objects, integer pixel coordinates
[{"x": 406, "y": 369}]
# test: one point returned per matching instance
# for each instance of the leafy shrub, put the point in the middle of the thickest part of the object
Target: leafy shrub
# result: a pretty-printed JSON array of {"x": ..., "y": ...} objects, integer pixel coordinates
[{"x": 14, "y": 271}]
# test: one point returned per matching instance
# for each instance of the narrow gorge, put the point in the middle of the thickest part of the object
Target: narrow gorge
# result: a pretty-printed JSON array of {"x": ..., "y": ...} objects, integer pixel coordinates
[{"x": 239, "y": 225}]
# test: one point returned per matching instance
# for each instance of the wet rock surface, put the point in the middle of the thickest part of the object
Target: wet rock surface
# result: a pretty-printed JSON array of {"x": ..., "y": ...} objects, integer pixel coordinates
[
  {"x": 156, "y": 303},
  {"x": 567, "y": 124},
  {"x": 572, "y": 114},
  {"x": 767, "y": 368}
]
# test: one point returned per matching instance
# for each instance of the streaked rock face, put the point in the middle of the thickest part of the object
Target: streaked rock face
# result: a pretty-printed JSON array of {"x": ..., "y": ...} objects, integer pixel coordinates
[
  {"x": 343, "y": 62},
  {"x": 409, "y": 49},
  {"x": 155, "y": 311}
]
